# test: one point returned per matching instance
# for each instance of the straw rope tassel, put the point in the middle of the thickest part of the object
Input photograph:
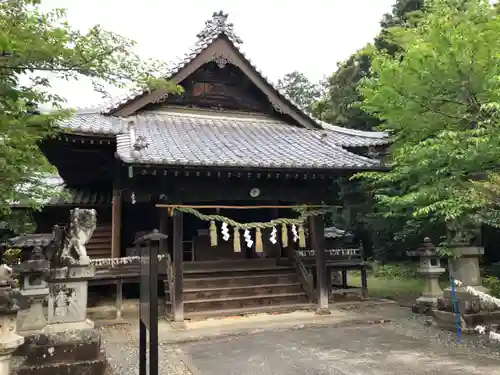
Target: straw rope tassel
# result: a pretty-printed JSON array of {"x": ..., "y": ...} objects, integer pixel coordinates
[
  {"x": 302, "y": 237},
  {"x": 284, "y": 235},
  {"x": 213, "y": 234},
  {"x": 258, "y": 241},
  {"x": 236, "y": 241}
]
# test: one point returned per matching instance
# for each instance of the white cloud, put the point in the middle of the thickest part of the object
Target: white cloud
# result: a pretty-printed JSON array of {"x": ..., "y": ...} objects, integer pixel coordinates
[{"x": 278, "y": 36}]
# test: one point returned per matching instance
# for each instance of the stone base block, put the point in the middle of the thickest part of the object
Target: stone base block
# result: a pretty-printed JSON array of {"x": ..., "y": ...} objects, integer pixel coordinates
[
  {"x": 424, "y": 305},
  {"x": 64, "y": 347},
  {"x": 68, "y": 327},
  {"x": 94, "y": 367},
  {"x": 461, "y": 293},
  {"x": 468, "y": 322},
  {"x": 64, "y": 353},
  {"x": 465, "y": 306}
]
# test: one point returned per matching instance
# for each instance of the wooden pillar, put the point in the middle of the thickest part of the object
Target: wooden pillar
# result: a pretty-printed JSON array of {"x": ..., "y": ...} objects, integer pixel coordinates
[
  {"x": 178, "y": 252},
  {"x": 279, "y": 249},
  {"x": 163, "y": 229},
  {"x": 317, "y": 233},
  {"x": 167, "y": 282},
  {"x": 116, "y": 221}
]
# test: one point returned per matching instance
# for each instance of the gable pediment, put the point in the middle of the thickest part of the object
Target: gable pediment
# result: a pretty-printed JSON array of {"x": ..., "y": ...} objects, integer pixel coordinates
[{"x": 222, "y": 50}]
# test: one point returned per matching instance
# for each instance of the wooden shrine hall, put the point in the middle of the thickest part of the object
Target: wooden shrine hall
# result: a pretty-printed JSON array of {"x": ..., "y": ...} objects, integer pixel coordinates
[{"x": 196, "y": 165}]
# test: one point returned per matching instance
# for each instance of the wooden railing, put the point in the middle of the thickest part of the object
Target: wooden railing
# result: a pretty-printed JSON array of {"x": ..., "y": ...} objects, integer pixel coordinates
[
  {"x": 305, "y": 277},
  {"x": 342, "y": 259}
]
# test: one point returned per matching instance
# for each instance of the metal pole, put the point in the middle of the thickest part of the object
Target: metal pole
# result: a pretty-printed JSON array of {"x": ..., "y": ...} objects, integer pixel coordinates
[
  {"x": 153, "y": 307},
  {"x": 455, "y": 310}
]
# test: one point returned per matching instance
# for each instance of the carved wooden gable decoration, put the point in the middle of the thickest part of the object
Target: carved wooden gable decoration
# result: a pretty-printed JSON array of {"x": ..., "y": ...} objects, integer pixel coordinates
[
  {"x": 217, "y": 74},
  {"x": 216, "y": 87}
]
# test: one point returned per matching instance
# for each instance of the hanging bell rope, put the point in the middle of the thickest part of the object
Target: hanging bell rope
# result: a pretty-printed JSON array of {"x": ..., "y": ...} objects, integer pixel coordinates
[
  {"x": 284, "y": 235},
  {"x": 302, "y": 237},
  {"x": 258, "y": 241},
  {"x": 213, "y": 234},
  {"x": 236, "y": 241}
]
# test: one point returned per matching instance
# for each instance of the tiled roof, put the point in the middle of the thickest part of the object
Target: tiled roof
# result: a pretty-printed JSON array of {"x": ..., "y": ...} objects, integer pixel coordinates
[
  {"x": 82, "y": 196},
  {"x": 93, "y": 122},
  {"x": 226, "y": 141},
  {"x": 29, "y": 240},
  {"x": 334, "y": 232},
  {"x": 71, "y": 196},
  {"x": 217, "y": 27}
]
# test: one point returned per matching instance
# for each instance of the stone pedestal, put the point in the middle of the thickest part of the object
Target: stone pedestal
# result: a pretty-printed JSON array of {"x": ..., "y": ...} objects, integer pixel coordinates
[
  {"x": 64, "y": 353},
  {"x": 430, "y": 269},
  {"x": 68, "y": 291},
  {"x": 34, "y": 286},
  {"x": 472, "y": 310},
  {"x": 10, "y": 302}
]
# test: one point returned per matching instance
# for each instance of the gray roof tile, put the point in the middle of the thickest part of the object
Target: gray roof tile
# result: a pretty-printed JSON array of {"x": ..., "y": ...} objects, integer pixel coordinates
[
  {"x": 91, "y": 121},
  {"x": 64, "y": 195},
  {"x": 218, "y": 140}
]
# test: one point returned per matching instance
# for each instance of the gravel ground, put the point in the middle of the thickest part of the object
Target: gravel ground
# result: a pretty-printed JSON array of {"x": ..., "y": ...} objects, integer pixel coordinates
[
  {"x": 421, "y": 336},
  {"x": 122, "y": 350},
  {"x": 406, "y": 346}
]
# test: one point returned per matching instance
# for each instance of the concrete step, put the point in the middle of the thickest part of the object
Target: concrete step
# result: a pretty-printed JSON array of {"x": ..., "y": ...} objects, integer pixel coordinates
[
  {"x": 245, "y": 302},
  {"x": 240, "y": 291},
  {"x": 220, "y": 281},
  {"x": 271, "y": 309}
]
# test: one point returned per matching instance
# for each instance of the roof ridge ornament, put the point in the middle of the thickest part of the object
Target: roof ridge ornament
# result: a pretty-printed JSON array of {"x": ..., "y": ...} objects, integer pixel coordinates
[{"x": 216, "y": 26}]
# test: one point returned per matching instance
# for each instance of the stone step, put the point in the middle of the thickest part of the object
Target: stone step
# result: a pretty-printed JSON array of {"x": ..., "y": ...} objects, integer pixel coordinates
[
  {"x": 245, "y": 302},
  {"x": 237, "y": 271},
  {"x": 212, "y": 281},
  {"x": 270, "y": 309},
  {"x": 233, "y": 263},
  {"x": 241, "y": 291},
  {"x": 94, "y": 367}
]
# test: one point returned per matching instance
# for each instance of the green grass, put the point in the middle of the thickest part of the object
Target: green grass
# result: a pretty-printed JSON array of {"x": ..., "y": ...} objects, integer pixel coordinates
[{"x": 397, "y": 289}]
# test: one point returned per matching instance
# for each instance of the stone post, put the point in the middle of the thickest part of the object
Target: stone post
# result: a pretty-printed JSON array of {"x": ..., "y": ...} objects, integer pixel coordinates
[
  {"x": 464, "y": 267},
  {"x": 10, "y": 302},
  {"x": 34, "y": 286},
  {"x": 430, "y": 269},
  {"x": 68, "y": 291},
  {"x": 69, "y": 274}
]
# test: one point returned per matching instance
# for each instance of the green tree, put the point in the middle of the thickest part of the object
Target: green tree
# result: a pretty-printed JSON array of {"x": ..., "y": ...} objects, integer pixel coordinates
[
  {"x": 439, "y": 97},
  {"x": 33, "y": 42},
  {"x": 338, "y": 106},
  {"x": 300, "y": 89}
]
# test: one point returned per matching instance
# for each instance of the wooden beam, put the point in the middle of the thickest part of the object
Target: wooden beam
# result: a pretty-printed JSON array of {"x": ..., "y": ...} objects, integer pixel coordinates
[
  {"x": 178, "y": 297},
  {"x": 258, "y": 207},
  {"x": 116, "y": 219},
  {"x": 317, "y": 232}
]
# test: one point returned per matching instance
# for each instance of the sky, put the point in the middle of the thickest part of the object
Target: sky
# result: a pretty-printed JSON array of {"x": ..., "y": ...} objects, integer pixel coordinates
[{"x": 278, "y": 36}]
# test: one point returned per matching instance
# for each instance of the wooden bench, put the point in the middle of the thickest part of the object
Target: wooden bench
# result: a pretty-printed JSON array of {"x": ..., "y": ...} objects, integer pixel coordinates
[{"x": 341, "y": 259}]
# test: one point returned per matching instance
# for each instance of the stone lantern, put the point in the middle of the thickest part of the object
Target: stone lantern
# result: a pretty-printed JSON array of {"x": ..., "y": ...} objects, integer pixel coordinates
[
  {"x": 10, "y": 302},
  {"x": 430, "y": 269},
  {"x": 32, "y": 274}
]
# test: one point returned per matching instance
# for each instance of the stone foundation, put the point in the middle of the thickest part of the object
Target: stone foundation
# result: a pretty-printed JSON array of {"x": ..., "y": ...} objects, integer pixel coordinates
[
  {"x": 65, "y": 353},
  {"x": 468, "y": 322}
]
